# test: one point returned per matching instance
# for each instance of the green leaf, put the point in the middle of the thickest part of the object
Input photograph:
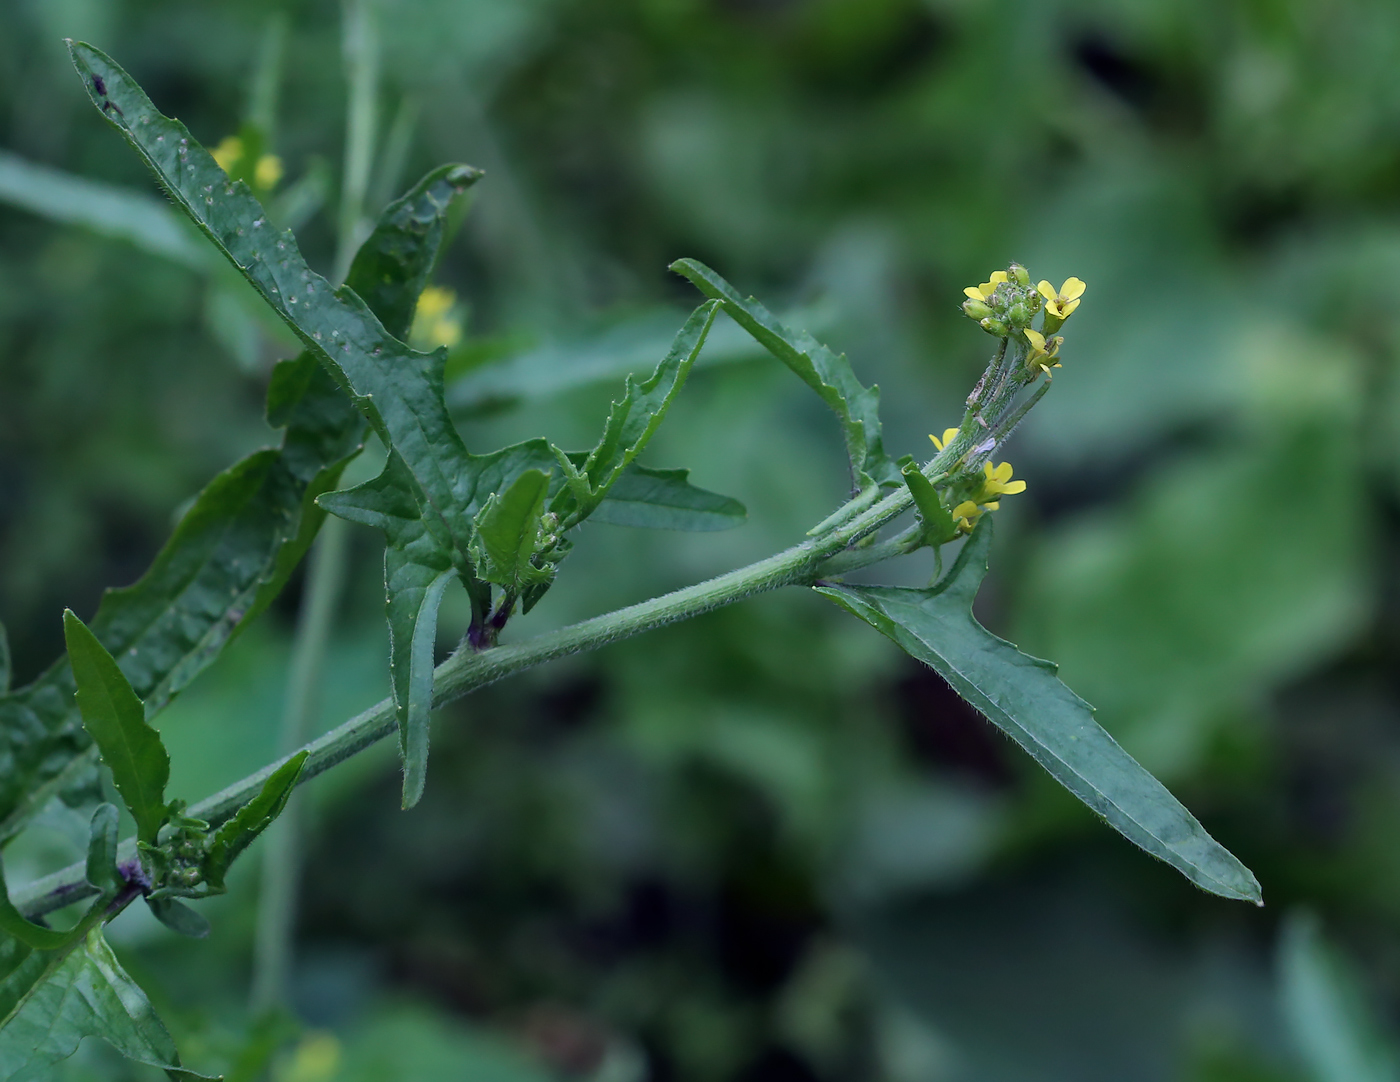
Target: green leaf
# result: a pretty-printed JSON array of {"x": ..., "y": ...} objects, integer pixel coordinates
[
  {"x": 4, "y": 660},
  {"x": 856, "y": 406},
  {"x": 936, "y": 519},
  {"x": 178, "y": 917},
  {"x": 1024, "y": 698},
  {"x": 116, "y": 721},
  {"x": 634, "y": 420},
  {"x": 509, "y": 535},
  {"x": 418, "y": 565},
  {"x": 399, "y": 389},
  {"x": 251, "y": 820},
  {"x": 102, "y": 871},
  {"x": 14, "y": 923},
  {"x": 51, "y": 1001},
  {"x": 1331, "y": 1023},
  {"x": 666, "y": 500}
]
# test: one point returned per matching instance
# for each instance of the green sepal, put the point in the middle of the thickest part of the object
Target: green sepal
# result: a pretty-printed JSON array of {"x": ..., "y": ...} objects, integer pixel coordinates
[
  {"x": 252, "y": 819},
  {"x": 1025, "y": 698},
  {"x": 937, "y": 520},
  {"x": 116, "y": 720},
  {"x": 102, "y": 872},
  {"x": 179, "y": 917},
  {"x": 857, "y": 407}
]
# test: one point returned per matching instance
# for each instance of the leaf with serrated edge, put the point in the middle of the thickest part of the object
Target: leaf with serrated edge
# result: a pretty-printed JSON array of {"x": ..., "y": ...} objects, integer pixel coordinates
[
  {"x": 49, "y": 1002},
  {"x": 829, "y": 374},
  {"x": 251, "y": 820},
  {"x": 666, "y": 500},
  {"x": 634, "y": 420},
  {"x": 399, "y": 388},
  {"x": 116, "y": 721},
  {"x": 102, "y": 871},
  {"x": 508, "y": 529},
  {"x": 1024, "y": 698}
]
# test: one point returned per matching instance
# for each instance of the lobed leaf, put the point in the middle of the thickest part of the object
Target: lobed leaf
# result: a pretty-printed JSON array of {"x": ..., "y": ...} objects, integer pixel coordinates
[
  {"x": 116, "y": 720},
  {"x": 508, "y": 532},
  {"x": 666, "y": 500},
  {"x": 830, "y": 375},
  {"x": 398, "y": 388},
  {"x": 1024, "y": 698},
  {"x": 51, "y": 1000}
]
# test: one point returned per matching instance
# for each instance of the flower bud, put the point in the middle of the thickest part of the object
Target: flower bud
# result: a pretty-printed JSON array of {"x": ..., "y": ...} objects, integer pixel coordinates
[
  {"x": 978, "y": 310},
  {"x": 996, "y": 327},
  {"x": 1018, "y": 315},
  {"x": 1018, "y": 274}
]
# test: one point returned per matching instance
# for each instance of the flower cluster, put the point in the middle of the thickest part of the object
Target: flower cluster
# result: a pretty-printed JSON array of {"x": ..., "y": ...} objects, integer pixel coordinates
[
  {"x": 1004, "y": 302},
  {"x": 994, "y": 483}
]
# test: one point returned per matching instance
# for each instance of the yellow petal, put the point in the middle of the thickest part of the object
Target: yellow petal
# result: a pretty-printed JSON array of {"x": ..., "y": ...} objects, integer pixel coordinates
[
  {"x": 935, "y": 441},
  {"x": 1072, "y": 289},
  {"x": 1002, "y": 473},
  {"x": 987, "y": 469},
  {"x": 991, "y": 506},
  {"x": 998, "y": 277},
  {"x": 1014, "y": 487},
  {"x": 268, "y": 171},
  {"x": 1046, "y": 290},
  {"x": 435, "y": 301},
  {"x": 228, "y": 152},
  {"x": 973, "y": 292},
  {"x": 966, "y": 509},
  {"x": 1037, "y": 340},
  {"x": 1066, "y": 309}
]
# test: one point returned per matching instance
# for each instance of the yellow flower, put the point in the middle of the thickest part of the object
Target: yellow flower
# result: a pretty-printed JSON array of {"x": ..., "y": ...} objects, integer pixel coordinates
[
  {"x": 268, "y": 171},
  {"x": 966, "y": 515},
  {"x": 948, "y": 434},
  {"x": 986, "y": 289},
  {"x": 998, "y": 483},
  {"x": 1041, "y": 351},
  {"x": 433, "y": 324},
  {"x": 315, "y": 1059},
  {"x": 229, "y": 153},
  {"x": 1060, "y": 304}
]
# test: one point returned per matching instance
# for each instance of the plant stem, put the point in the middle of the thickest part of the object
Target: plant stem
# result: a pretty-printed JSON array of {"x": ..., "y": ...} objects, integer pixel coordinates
[
  {"x": 272, "y": 946},
  {"x": 467, "y": 669}
]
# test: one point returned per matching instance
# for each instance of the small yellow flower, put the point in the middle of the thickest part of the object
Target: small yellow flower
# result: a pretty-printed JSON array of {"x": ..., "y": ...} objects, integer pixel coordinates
[
  {"x": 315, "y": 1059},
  {"x": 948, "y": 434},
  {"x": 998, "y": 482},
  {"x": 986, "y": 289},
  {"x": 229, "y": 153},
  {"x": 1061, "y": 303},
  {"x": 966, "y": 515},
  {"x": 433, "y": 323},
  {"x": 1042, "y": 351},
  {"x": 268, "y": 171}
]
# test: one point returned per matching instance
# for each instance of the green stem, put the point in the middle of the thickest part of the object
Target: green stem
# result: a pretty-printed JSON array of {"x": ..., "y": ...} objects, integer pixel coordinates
[
  {"x": 467, "y": 670},
  {"x": 272, "y": 946}
]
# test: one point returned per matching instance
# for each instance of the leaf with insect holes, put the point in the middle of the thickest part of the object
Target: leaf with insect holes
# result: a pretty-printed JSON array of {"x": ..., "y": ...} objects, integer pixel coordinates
[
  {"x": 857, "y": 407},
  {"x": 51, "y": 1000},
  {"x": 1024, "y": 698},
  {"x": 252, "y": 819},
  {"x": 238, "y": 544},
  {"x": 398, "y": 388},
  {"x": 634, "y": 419},
  {"x": 116, "y": 720}
]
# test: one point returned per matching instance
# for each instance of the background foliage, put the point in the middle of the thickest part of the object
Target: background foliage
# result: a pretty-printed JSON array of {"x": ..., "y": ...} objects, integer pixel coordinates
[{"x": 763, "y": 845}]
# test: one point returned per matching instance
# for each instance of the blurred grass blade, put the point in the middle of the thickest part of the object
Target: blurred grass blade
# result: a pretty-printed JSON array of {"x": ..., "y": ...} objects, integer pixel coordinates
[
  {"x": 116, "y": 720},
  {"x": 239, "y": 832},
  {"x": 856, "y": 406},
  {"x": 1332, "y": 1025},
  {"x": 1024, "y": 698},
  {"x": 51, "y": 1001},
  {"x": 139, "y": 219},
  {"x": 399, "y": 388},
  {"x": 666, "y": 500}
]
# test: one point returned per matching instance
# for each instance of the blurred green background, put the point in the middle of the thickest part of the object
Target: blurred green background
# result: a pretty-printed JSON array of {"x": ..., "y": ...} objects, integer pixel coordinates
[{"x": 764, "y": 845}]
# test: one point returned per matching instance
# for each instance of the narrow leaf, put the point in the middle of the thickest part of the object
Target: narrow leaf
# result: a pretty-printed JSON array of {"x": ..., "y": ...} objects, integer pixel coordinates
[
  {"x": 508, "y": 531},
  {"x": 252, "y": 819},
  {"x": 1024, "y": 698},
  {"x": 14, "y": 923},
  {"x": 116, "y": 721},
  {"x": 936, "y": 519},
  {"x": 856, "y": 406},
  {"x": 666, "y": 500},
  {"x": 399, "y": 389},
  {"x": 413, "y": 737},
  {"x": 634, "y": 420},
  {"x": 102, "y": 871},
  {"x": 179, "y": 917},
  {"x": 50, "y": 1002}
]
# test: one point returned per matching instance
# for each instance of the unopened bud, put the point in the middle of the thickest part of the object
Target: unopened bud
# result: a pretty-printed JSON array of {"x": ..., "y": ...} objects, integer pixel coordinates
[
  {"x": 996, "y": 327},
  {"x": 1019, "y": 315},
  {"x": 1018, "y": 274},
  {"x": 978, "y": 310}
]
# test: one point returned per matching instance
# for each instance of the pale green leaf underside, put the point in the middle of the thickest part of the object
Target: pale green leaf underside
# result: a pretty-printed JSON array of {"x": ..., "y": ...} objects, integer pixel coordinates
[
  {"x": 1024, "y": 698},
  {"x": 54, "y": 1002}
]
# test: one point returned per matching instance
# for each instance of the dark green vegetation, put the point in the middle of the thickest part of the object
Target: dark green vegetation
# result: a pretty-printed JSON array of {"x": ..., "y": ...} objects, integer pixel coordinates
[{"x": 758, "y": 844}]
